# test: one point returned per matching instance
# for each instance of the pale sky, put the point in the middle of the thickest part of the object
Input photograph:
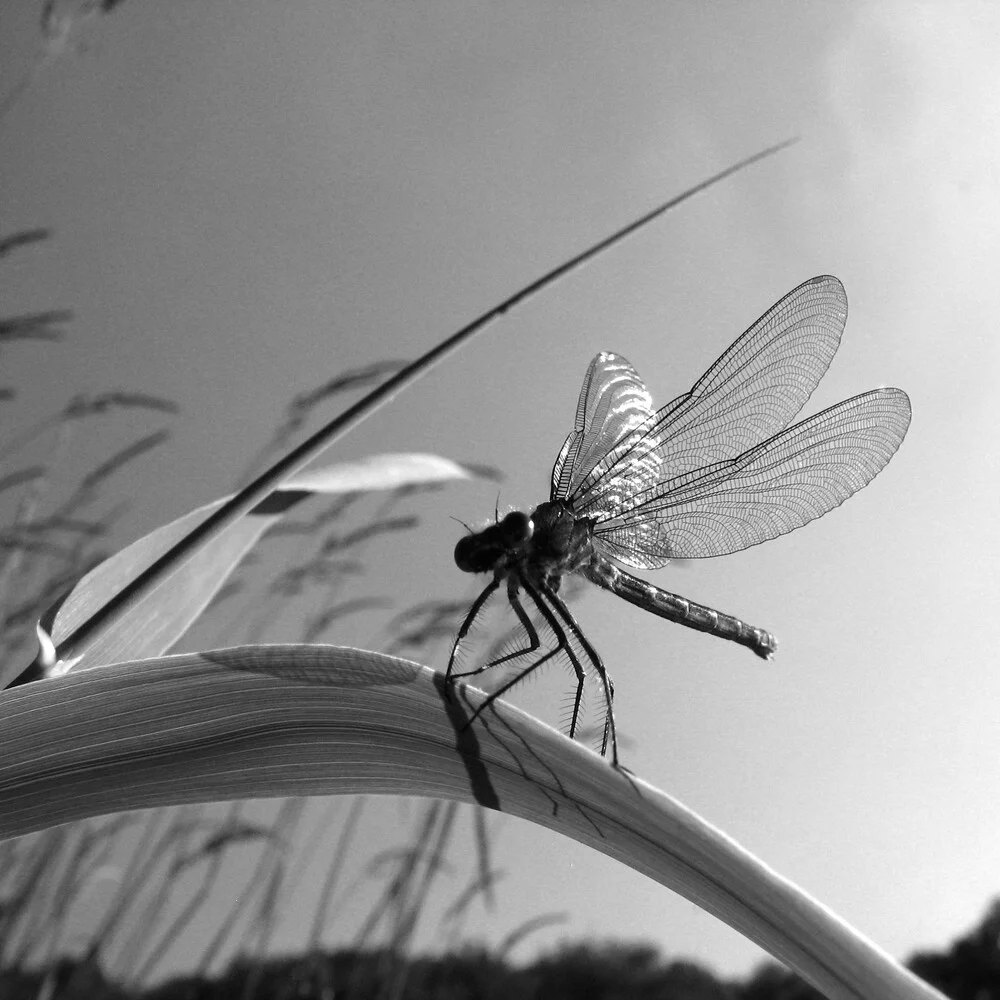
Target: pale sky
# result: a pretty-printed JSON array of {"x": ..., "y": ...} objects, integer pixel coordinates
[{"x": 251, "y": 196}]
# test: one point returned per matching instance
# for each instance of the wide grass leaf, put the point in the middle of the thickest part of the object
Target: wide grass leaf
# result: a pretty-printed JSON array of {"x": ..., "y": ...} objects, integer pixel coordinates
[{"x": 264, "y": 721}]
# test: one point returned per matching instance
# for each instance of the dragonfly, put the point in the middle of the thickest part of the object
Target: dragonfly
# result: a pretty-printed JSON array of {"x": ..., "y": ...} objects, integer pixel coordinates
[{"x": 715, "y": 471}]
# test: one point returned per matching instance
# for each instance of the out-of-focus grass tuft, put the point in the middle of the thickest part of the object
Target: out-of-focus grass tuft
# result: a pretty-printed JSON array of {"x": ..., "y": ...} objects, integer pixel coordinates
[{"x": 122, "y": 894}]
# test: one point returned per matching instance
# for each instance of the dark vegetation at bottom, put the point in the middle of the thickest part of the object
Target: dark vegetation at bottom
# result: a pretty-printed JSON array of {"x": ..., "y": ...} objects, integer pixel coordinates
[{"x": 968, "y": 970}]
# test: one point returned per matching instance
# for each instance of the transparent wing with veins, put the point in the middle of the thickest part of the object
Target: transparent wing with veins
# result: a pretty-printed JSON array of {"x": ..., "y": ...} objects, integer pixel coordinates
[
  {"x": 754, "y": 390},
  {"x": 714, "y": 471},
  {"x": 614, "y": 406},
  {"x": 781, "y": 484}
]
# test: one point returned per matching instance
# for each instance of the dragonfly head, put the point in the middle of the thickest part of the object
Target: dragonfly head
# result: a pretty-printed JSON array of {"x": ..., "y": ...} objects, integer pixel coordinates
[{"x": 482, "y": 551}]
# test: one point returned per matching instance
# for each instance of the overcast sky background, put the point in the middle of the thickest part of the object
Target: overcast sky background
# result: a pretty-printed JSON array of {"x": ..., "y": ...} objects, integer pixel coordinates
[{"x": 251, "y": 196}]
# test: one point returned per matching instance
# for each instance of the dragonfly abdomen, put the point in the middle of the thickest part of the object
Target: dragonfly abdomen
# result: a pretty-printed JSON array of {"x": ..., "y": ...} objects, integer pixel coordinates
[{"x": 679, "y": 609}]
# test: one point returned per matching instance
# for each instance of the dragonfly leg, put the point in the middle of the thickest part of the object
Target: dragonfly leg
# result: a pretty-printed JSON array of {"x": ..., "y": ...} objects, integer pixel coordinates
[
  {"x": 562, "y": 645},
  {"x": 568, "y": 640},
  {"x": 477, "y": 606},
  {"x": 534, "y": 643},
  {"x": 610, "y": 733},
  {"x": 532, "y": 646},
  {"x": 504, "y": 688}
]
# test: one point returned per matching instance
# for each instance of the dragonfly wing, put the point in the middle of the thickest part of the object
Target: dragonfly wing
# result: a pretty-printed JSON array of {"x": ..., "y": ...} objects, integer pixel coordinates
[
  {"x": 775, "y": 487},
  {"x": 754, "y": 390},
  {"x": 614, "y": 403}
]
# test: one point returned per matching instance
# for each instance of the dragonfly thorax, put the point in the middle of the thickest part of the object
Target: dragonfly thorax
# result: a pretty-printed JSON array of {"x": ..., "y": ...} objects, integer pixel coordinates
[{"x": 562, "y": 542}]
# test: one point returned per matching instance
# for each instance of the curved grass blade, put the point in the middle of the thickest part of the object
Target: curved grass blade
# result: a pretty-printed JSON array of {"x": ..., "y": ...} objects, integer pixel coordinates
[{"x": 318, "y": 720}]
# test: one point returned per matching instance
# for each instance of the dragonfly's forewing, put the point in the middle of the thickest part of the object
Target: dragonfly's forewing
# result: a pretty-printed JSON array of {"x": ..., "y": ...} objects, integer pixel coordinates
[
  {"x": 614, "y": 403},
  {"x": 751, "y": 392},
  {"x": 759, "y": 384},
  {"x": 771, "y": 489}
]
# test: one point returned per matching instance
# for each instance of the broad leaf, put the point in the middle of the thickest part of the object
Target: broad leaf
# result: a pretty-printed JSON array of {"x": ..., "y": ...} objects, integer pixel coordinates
[{"x": 263, "y": 721}]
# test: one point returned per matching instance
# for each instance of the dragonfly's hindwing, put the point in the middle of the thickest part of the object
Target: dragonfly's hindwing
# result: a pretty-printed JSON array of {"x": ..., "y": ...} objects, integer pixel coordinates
[{"x": 782, "y": 484}]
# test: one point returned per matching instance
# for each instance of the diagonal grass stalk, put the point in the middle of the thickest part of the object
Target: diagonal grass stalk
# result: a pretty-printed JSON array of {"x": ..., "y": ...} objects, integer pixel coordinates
[{"x": 73, "y": 646}]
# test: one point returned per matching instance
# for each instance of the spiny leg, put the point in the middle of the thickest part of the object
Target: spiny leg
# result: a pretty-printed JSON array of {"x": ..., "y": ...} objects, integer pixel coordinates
[
  {"x": 504, "y": 688},
  {"x": 594, "y": 657},
  {"x": 477, "y": 607},
  {"x": 561, "y": 646},
  {"x": 534, "y": 643},
  {"x": 561, "y": 643}
]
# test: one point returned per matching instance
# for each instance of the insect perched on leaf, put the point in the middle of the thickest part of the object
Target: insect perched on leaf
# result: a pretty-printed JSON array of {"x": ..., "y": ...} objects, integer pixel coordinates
[{"x": 715, "y": 471}]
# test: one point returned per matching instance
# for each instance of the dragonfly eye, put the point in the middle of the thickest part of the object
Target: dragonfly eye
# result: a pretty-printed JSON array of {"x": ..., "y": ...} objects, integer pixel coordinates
[
  {"x": 517, "y": 527},
  {"x": 466, "y": 551}
]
